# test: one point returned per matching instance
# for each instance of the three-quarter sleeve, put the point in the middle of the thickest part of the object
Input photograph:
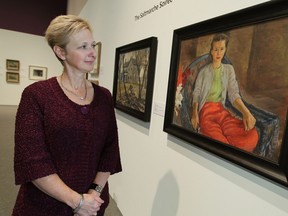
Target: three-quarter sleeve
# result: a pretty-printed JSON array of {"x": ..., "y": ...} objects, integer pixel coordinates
[
  {"x": 110, "y": 157},
  {"x": 31, "y": 156}
]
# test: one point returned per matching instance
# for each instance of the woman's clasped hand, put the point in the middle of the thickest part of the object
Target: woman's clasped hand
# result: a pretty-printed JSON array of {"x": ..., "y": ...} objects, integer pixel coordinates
[{"x": 91, "y": 205}]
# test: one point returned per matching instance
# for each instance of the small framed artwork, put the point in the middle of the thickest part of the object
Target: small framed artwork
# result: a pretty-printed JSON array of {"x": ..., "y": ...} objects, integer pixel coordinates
[
  {"x": 37, "y": 72},
  {"x": 95, "y": 81},
  {"x": 13, "y": 65},
  {"x": 134, "y": 78},
  {"x": 230, "y": 99},
  {"x": 94, "y": 74},
  {"x": 12, "y": 77},
  {"x": 96, "y": 69}
]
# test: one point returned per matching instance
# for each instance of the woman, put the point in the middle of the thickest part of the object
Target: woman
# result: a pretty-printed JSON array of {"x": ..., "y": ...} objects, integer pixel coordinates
[
  {"x": 66, "y": 139},
  {"x": 214, "y": 82}
]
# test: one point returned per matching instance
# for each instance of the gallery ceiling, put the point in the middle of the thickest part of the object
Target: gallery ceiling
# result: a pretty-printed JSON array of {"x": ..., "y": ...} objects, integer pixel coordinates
[{"x": 30, "y": 16}]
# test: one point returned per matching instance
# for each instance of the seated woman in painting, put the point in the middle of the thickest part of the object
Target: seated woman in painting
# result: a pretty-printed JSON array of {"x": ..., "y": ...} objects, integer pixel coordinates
[{"x": 214, "y": 83}]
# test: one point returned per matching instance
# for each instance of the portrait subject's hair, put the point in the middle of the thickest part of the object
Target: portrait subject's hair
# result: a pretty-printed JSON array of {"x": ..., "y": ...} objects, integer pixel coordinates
[
  {"x": 216, "y": 38},
  {"x": 220, "y": 37}
]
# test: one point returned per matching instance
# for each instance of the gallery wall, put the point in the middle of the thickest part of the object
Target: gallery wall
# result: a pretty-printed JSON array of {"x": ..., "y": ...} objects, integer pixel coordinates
[
  {"x": 163, "y": 175},
  {"x": 28, "y": 49}
]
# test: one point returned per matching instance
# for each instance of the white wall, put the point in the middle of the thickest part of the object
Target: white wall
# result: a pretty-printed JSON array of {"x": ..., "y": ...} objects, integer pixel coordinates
[
  {"x": 162, "y": 175},
  {"x": 29, "y": 50}
]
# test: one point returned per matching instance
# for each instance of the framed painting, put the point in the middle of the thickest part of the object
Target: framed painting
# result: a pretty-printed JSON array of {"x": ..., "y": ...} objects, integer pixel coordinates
[
  {"x": 13, "y": 65},
  {"x": 12, "y": 77},
  {"x": 98, "y": 58},
  {"x": 94, "y": 74},
  {"x": 134, "y": 78},
  {"x": 37, "y": 73},
  {"x": 228, "y": 88}
]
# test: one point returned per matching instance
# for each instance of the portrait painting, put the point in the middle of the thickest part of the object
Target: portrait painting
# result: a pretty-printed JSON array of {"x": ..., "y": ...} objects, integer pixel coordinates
[
  {"x": 228, "y": 87},
  {"x": 260, "y": 66}
]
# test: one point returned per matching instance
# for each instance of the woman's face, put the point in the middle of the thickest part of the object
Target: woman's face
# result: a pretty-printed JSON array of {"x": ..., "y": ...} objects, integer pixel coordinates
[
  {"x": 80, "y": 52},
  {"x": 218, "y": 51}
]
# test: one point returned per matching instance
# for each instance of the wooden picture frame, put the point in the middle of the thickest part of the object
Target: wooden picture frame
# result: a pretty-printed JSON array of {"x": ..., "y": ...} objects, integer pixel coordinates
[
  {"x": 12, "y": 77},
  {"x": 96, "y": 69},
  {"x": 94, "y": 74},
  {"x": 134, "y": 78},
  {"x": 12, "y": 65},
  {"x": 37, "y": 72},
  {"x": 258, "y": 36}
]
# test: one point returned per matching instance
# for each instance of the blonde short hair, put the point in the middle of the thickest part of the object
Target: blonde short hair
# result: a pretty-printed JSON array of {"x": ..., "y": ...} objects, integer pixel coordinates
[{"x": 62, "y": 27}]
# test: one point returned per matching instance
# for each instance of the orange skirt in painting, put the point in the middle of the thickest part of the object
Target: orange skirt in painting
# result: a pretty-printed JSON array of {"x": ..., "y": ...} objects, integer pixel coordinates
[{"x": 218, "y": 123}]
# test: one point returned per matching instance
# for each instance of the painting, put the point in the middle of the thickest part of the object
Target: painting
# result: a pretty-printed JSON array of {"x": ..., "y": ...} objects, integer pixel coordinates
[
  {"x": 228, "y": 88},
  {"x": 37, "y": 72},
  {"x": 12, "y": 77},
  {"x": 93, "y": 75},
  {"x": 13, "y": 65},
  {"x": 96, "y": 69},
  {"x": 134, "y": 78}
]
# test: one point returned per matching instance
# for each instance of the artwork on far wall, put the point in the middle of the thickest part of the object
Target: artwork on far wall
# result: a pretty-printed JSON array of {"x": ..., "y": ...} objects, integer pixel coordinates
[
  {"x": 255, "y": 63},
  {"x": 12, "y": 65},
  {"x": 98, "y": 58},
  {"x": 134, "y": 78},
  {"x": 94, "y": 74},
  {"x": 13, "y": 68},
  {"x": 12, "y": 77},
  {"x": 37, "y": 72}
]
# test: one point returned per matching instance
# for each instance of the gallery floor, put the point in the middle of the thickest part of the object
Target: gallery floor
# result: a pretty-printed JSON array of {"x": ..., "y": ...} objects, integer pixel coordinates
[{"x": 8, "y": 190}]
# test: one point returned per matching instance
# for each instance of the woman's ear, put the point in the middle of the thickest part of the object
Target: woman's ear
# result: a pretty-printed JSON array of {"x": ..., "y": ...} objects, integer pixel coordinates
[{"x": 60, "y": 52}]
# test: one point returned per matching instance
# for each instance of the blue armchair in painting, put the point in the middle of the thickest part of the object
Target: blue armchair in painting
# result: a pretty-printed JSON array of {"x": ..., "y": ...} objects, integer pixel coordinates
[{"x": 267, "y": 123}]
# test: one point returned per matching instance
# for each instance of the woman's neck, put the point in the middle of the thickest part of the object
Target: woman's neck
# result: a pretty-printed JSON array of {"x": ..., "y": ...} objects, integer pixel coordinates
[
  {"x": 78, "y": 91},
  {"x": 75, "y": 82},
  {"x": 216, "y": 65}
]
